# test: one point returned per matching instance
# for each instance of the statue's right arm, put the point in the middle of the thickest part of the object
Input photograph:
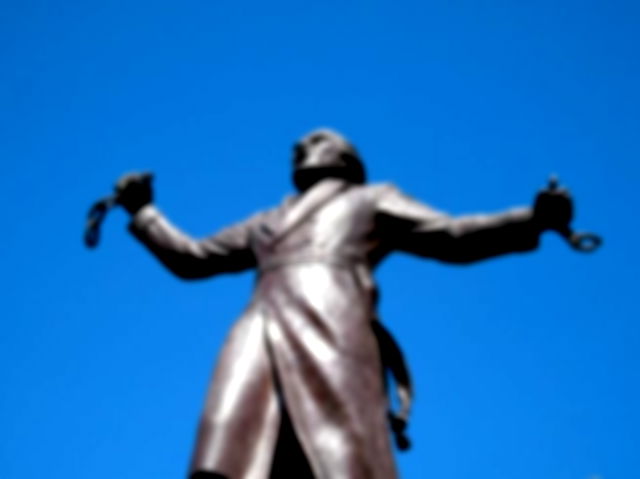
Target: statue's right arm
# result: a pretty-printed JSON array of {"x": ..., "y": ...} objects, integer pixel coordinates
[{"x": 227, "y": 251}]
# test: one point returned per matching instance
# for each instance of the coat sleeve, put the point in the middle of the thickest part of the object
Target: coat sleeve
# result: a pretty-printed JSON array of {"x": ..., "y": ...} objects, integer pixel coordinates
[
  {"x": 227, "y": 251},
  {"x": 413, "y": 227}
]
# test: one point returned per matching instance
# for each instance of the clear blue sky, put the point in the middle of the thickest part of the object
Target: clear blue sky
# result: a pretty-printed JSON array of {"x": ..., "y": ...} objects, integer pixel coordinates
[{"x": 526, "y": 366}]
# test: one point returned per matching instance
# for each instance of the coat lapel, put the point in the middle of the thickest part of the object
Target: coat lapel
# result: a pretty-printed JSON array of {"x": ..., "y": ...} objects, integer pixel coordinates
[{"x": 308, "y": 204}]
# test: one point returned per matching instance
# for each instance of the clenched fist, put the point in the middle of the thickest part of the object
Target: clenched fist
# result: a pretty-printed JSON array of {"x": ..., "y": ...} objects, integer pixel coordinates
[
  {"x": 134, "y": 191},
  {"x": 553, "y": 208}
]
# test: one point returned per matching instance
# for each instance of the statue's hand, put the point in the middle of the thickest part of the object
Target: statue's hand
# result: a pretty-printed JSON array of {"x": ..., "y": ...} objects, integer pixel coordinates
[
  {"x": 553, "y": 208},
  {"x": 134, "y": 191}
]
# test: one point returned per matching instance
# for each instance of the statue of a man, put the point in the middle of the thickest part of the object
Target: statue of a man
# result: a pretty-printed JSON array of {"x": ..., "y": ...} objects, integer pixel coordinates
[{"x": 297, "y": 392}]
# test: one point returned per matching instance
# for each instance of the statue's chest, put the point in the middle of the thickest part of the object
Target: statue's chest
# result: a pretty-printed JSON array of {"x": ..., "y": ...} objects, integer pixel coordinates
[{"x": 344, "y": 221}]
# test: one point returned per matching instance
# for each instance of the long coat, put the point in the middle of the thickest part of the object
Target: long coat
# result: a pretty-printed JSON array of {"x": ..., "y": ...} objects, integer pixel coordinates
[{"x": 304, "y": 344}]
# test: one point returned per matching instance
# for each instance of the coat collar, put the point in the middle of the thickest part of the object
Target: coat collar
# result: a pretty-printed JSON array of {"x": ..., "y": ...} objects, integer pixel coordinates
[{"x": 307, "y": 204}]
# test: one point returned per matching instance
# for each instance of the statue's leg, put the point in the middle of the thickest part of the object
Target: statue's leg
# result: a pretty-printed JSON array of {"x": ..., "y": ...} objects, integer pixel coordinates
[{"x": 289, "y": 460}]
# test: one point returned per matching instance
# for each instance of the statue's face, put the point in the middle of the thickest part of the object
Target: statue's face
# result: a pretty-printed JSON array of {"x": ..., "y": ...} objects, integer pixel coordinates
[
  {"x": 325, "y": 153},
  {"x": 320, "y": 149}
]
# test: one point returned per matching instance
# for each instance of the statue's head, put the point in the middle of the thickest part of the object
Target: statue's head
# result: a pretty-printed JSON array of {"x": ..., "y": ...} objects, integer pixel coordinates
[{"x": 324, "y": 154}]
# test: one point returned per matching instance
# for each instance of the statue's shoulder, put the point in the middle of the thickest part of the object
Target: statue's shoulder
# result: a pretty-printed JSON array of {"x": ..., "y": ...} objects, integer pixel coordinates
[
  {"x": 285, "y": 203},
  {"x": 378, "y": 190}
]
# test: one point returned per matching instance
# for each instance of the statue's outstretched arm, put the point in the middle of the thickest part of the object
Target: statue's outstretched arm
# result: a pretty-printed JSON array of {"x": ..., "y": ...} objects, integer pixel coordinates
[
  {"x": 224, "y": 252},
  {"x": 414, "y": 227},
  {"x": 227, "y": 251}
]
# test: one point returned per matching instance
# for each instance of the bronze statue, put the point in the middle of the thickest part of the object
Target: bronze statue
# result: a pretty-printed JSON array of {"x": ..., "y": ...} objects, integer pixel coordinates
[{"x": 298, "y": 390}]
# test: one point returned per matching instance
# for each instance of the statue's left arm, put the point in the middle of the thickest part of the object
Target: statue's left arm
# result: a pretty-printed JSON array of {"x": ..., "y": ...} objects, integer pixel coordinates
[{"x": 411, "y": 226}]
